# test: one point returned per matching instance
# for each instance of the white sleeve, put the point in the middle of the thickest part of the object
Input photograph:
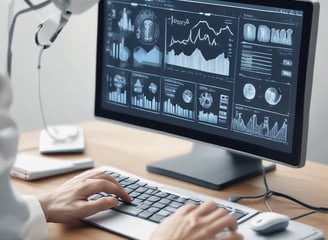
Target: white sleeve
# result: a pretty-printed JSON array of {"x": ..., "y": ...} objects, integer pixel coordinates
[
  {"x": 21, "y": 217},
  {"x": 36, "y": 227}
]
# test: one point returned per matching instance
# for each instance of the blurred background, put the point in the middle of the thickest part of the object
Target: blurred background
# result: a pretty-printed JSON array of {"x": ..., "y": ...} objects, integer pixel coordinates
[{"x": 68, "y": 75}]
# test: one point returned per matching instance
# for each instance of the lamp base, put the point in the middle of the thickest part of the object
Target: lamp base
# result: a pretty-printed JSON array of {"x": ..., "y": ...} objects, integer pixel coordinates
[{"x": 63, "y": 139}]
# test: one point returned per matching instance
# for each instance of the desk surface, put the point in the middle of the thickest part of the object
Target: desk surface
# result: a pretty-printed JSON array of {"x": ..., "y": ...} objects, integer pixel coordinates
[{"x": 131, "y": 149}]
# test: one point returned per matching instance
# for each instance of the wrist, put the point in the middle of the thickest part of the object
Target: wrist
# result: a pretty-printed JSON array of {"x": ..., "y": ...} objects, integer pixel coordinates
[{"x": 44, "y": 203}]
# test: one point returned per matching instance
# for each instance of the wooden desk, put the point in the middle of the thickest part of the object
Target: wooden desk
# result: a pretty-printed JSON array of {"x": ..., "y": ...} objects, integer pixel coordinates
[{"x": 131, "y": 149}]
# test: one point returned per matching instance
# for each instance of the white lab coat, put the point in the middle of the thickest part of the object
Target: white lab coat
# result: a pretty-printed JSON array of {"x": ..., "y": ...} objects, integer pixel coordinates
[{"x": 21, "y": 217}]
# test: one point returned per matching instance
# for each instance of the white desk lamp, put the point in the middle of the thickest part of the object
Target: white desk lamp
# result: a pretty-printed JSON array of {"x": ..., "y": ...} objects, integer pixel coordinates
[{"x": 61, "y": 138}]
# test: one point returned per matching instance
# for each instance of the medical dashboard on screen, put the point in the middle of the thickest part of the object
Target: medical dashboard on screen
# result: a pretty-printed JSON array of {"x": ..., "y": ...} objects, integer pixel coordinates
[{"x": 236, "y": 75}]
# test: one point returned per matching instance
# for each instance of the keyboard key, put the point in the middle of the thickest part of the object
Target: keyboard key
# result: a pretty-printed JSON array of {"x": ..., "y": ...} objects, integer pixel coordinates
[
  {"x": 129, "y": 209},
  {"x": 238, "y": 214},
  {"x": 158, "y": 205},
  {"x": 176, "y": 204},
  {"x": 145, "y": 214},
  {"x": 153, "y": 198},
  {"x": 156, "y": 218}
]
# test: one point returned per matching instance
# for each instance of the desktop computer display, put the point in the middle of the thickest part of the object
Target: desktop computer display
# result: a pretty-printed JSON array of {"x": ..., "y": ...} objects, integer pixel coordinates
[{"x": 235, "y": 76}]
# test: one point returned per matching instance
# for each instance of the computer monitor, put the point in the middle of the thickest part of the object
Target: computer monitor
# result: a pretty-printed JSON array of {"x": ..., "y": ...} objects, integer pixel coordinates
[{"x": 234, "y": 76}]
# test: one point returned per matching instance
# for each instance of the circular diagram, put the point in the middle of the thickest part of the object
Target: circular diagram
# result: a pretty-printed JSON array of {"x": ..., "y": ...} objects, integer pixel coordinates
[
  {"x": 119, "y": 81},
  {"x": 187, "y": 96},
  {"x": 249, "y": 91},
  {"x": 152, "y": 88},
  {"x": 272, "y": 96},
  {"x": 206, "y": 100}
]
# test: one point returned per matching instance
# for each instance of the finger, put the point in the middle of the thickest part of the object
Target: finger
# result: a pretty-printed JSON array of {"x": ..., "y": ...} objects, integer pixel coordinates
[
  {"x": 185, "y": 209},
  {"x": 230, "y": 222},
  {"x": 96, "y": 175},
  {"x": 215, "y": 215},
  {"x": 93, "y": 186},
  {"x": 103, "y": 175},
  {"x": 87, "y": 174},
  {"x": 218, "y": 223},
  {"x": 205, "y": 208},
  {"x": 91, "y": 207}
]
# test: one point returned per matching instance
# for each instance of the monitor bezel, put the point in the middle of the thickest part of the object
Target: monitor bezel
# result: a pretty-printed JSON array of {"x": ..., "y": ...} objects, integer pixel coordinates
[{"x": 297, "y": 156}]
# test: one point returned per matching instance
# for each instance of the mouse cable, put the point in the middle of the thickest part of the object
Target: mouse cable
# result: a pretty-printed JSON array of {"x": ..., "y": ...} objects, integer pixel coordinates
[
  {"x": 267, "y": 204},
  {"x": 268, "y": 193}
]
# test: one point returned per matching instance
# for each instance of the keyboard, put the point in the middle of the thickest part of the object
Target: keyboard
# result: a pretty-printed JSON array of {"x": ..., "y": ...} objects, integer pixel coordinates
[{"x": 152, "y": 202}]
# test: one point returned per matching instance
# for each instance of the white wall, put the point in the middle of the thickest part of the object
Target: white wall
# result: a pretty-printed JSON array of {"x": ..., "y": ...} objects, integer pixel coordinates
[
  {"x": 67, "y": 74},
  {"x": 69, "y": 69},
  {"x": 318, "y": 130}
]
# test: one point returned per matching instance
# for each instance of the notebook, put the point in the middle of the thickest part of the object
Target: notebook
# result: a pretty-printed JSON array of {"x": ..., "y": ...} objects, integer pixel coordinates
[{"x": 31, "y": 167}]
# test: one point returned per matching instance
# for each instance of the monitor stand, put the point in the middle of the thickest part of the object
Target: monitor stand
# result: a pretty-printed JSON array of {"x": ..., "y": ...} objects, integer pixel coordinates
[{"x": 210, "y": 166}]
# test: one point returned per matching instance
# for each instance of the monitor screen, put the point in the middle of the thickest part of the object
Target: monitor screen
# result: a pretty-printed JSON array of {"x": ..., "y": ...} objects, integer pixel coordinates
[{"x": 235, "y": 74}]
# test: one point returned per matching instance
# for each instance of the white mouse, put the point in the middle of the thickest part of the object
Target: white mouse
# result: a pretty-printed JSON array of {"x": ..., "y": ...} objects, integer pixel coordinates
[{"x": 266, "y": 223}]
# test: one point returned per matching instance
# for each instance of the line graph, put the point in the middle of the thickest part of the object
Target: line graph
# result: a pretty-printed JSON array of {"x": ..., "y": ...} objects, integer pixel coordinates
[
  {"x": 254, "y": 127},
  {"x": 199, "y": 37},
  {"x": 203, "y": 46}
]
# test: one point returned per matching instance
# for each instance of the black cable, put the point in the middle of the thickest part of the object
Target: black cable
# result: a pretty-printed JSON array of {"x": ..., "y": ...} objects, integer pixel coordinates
[
  {"x": 31, "y": 7},
  {"x": 268, "y": 193},
  {"x": 304, "y": 204},
  {"x": 263, "y": 195},
  {"x": 28, "y": 2},
  {"x": 304, "y": 215}
]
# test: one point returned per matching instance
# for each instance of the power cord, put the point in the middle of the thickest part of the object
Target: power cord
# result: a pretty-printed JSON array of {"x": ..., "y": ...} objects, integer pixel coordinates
[
  {"x": 40, "y": 96},
  {"x": 268, "y": 193},
  {"x": 55, "y": 134}
]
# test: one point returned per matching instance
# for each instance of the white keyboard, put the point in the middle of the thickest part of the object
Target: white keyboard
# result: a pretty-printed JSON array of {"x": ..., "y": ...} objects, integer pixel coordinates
[{"x": 152, "y": 202}]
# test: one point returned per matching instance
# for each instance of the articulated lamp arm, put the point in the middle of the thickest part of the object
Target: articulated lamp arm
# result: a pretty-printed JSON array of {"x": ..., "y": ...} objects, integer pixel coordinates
[{"x": 49, "y": 30}]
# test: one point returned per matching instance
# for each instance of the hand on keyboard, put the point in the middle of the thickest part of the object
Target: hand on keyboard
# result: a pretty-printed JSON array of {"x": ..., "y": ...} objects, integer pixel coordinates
[
  {"x": 179, "y": 216},
  {"x": 197, "y": 222},
  {"x": 69, "y": 203}
]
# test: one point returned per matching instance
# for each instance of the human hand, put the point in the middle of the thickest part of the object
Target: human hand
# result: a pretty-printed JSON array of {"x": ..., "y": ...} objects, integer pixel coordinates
[
  {"x": 68, "y": 202},
  {"x": 197, "y": 222}
]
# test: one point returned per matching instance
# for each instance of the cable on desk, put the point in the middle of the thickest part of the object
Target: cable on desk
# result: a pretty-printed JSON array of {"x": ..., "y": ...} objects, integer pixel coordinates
[{"x": 268, "y": 193}]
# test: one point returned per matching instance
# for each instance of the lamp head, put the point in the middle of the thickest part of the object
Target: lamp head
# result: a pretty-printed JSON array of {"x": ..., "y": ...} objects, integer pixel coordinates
[
  {"x": 49, "y": 29},
  {"x": 74, "y": 6}
]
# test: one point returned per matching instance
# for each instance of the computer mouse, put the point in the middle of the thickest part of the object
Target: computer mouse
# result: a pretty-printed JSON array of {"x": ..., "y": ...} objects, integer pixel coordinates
[{"x": 266, "y": 223}]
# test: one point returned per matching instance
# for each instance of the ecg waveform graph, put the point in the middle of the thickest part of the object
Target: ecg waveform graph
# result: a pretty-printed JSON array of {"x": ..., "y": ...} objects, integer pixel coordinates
[
  {"x": 262, "y": 130},
  {"x": 203, "y": 49}
]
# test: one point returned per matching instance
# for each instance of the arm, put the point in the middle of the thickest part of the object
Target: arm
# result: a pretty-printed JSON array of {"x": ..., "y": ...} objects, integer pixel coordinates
[{"x": 69, "y": 203}]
